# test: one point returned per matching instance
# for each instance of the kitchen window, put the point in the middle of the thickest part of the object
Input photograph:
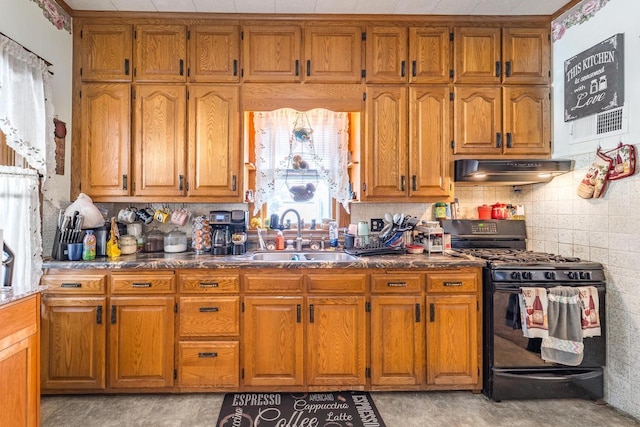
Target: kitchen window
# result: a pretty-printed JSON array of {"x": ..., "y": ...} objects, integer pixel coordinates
[{"x": 301, "y": 161}]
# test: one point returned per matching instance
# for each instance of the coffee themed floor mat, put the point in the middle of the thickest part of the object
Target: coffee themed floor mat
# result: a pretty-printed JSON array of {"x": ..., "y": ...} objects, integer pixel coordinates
[{"x": 328, "y": 409}]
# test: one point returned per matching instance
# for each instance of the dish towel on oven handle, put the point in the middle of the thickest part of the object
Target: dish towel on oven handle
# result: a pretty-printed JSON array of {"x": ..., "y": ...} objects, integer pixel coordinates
[
  {"x": 564, "y": 344},
  {"x": 590, "y": 311},
  {"x": 533, "y": 310}
]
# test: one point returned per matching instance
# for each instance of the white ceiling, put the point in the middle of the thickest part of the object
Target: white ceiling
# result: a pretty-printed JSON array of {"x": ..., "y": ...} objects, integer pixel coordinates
[{"x": 409, "y": 7}]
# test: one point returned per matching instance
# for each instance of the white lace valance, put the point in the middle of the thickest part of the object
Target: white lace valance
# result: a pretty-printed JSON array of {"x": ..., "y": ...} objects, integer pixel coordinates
[{"x": 26, "y": 110}]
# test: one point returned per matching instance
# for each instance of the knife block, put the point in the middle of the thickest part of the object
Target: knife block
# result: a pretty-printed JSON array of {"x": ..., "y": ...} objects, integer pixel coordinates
[{"x": 59, "y": 250}]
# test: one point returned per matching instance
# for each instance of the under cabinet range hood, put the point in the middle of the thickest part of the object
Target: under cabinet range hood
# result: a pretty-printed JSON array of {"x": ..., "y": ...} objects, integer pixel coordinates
[{"x": 509, "y": 171}]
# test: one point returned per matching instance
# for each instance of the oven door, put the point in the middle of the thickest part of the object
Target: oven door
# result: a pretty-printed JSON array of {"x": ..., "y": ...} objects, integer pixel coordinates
[{"x": 515, "y": 368}]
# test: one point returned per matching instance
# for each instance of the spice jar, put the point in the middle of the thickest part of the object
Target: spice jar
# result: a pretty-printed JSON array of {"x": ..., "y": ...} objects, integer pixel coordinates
[
  {"x": 153, "y": 241},
  {"x": 440, "y": 211},
  {"x": 128, "y": 245},
  {"x": 175, "y": 241}
]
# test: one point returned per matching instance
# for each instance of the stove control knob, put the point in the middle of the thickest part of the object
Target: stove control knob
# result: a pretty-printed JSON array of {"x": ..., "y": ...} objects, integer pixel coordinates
[
  {"x": 585, "y": 275},
  {"x": 527, "y": 275},
  {"x": 515, "y": 275},
  {"x": 551, "y": 275},
  {"x": 572, "y": 275}
]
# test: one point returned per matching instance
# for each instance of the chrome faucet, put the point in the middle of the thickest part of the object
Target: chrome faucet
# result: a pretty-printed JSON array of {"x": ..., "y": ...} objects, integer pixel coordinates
[{"x": 299, "y": 237}]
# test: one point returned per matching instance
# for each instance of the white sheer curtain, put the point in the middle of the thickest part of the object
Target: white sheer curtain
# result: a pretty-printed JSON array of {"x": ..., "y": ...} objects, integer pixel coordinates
[
  {"x": 329, "y": 145},
  {"x": 26, "y": 108},
  {"x": 20, "y": 224}
]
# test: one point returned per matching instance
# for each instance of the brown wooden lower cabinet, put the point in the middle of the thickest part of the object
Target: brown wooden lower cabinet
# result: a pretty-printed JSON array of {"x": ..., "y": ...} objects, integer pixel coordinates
[
  {"x": 261, "y": 330},
  {"x": 141, "y": 337},
  {"x": 19, "y": 359},
  {"x": 72, "y": 328}
]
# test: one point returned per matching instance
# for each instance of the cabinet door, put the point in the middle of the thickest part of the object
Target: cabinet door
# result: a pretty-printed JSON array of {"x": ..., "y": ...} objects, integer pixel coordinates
[
  {"x": 476, "y": 52},
  {"x": 387, "y": 52},
  {"x": 336, "y": 341},
  {"x": 160, "y": 53},
  {"x": 20, "y": 397},
  {"x": 141, "y": 342},
  {"x": 478, "y": 120},
  {"x": 429, "y": 122},
  {"x": 397, "y": 331},
  {"x": 214, "y": 52},
  {"x": 106, "y": 52},
  {"x": 214, "y": 144},
  {"x": 430, "y": 53},
  {"x": 73, "y": 343},
  {"x": 452, "y": 340},
  {"x": 385, "y": 144},
  {"x": 106, "y": 141},
  {"x": 333, "y": 54},
  {"x": 526, "y": 123},
  {"x": 526, "y": 55},
  {"x": 273, "y": 341},
  {"x": 271, "y": 53},
  {"x": 159, "y": 140}
]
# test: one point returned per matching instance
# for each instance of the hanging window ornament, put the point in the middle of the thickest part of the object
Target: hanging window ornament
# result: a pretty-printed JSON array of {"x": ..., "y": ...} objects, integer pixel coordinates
[{"x": 300, "y": 179}]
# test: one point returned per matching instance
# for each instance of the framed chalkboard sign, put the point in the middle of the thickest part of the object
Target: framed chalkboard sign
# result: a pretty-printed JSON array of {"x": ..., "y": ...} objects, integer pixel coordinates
[{"x": 594, "y": 79}]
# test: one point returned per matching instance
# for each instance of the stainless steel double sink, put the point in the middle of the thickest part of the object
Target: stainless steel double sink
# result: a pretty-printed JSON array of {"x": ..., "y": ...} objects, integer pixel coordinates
[{"x": 302, "y": 256}]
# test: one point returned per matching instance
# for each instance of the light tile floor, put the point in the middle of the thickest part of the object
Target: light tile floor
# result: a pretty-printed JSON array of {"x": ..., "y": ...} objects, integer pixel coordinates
[{"x": 400, "y": 409}]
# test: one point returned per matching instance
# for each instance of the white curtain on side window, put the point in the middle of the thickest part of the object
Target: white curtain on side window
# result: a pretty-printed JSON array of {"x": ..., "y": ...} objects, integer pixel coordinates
[
  {"x": 20, "y": 224},
  {"x": 327, "y": 150},
  {"x": 26, "y": 109}
]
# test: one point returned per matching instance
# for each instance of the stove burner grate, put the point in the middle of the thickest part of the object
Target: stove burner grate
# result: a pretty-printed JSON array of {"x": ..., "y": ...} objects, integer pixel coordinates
[{"x": 517, "y": 255}]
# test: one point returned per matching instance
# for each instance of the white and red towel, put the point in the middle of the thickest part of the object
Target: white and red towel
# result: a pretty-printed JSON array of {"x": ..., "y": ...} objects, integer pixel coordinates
[
  {"x": 533, "y": 310},
  {"x": 590, "y": 311}
]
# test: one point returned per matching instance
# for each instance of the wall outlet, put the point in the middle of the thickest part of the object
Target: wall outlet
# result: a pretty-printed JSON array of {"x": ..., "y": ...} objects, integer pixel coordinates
[{"x": 377, "y": 224}]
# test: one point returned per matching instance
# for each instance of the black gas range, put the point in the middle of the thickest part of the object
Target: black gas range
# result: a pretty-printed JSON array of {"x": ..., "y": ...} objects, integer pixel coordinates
[{"x": 512, "y": 365}]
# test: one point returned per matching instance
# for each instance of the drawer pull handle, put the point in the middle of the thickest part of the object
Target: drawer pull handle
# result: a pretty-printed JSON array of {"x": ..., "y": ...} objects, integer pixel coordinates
[
  {"x": 452, "y": 284},
  {"x": 209, "y": 309},
  {"x": 209, "y": 284},
  {"x": 141, "y": 285},
  {"x": 71, "y": 285},
  {"x": 397, "y": 284},
  {"x": 208, "y": 354}
]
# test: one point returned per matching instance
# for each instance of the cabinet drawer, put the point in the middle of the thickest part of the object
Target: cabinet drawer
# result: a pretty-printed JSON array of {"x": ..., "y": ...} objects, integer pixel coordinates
[
  {"x": 205, "y": 282},
  {"x": 396, "y": 283},
  {"x": 74, "y": 283},
  {"x": 130, "y": 283},
  {"x": 16, "y": 317},
  {"x": 209, "y": 364},
  {"x": 202, "y": 316},
  {"x": 273, "y": 282},
  {"x": 343, "y": 282},
  {"x": 453, "y": 281}
]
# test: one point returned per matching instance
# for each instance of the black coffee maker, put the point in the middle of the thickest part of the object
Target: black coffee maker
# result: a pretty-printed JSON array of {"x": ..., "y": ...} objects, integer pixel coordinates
[
  {"x": 238, "y": 228},
  {"x": 220, "y": 232}
]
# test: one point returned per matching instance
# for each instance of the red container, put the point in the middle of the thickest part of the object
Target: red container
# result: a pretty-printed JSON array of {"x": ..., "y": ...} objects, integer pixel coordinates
[
  {"x": 499, "y": 211},
  {"x": 484, "y": 212}
]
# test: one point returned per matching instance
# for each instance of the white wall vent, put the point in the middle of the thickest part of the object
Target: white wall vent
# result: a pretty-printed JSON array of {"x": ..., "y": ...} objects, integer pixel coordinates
[{"x": 607, "y": 123}]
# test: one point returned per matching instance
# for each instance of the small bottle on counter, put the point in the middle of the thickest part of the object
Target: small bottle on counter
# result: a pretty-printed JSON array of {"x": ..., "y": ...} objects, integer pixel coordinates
[
  {"x": 89, "y": 246},
  {"x": 280, "y": 241},
  {"x": 440, "y": 211},
  {"x": 333, "y": 234}
]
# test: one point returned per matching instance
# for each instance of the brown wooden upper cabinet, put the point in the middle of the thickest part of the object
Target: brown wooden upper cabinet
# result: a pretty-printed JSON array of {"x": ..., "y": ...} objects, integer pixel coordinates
[
  {"x": 272, "y": 53},
  {"x": 159, "y": 140},
  {"x": 333, "y": 54},
  {"x": 492, "y": 55},
  {"x": 214, "y": 53},
  {"x": 105, "y": 129},
  {"x": 106, "y": 52},
  {"x": 398, "y": 167},
  {"x": 160, "y": 53},
  {"x": 415, "y": 54},
  {"x": 508, "y": 120}
]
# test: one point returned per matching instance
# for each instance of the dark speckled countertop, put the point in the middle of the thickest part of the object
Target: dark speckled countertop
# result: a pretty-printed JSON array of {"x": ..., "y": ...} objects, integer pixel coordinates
[{"x": 162, "y": 260}]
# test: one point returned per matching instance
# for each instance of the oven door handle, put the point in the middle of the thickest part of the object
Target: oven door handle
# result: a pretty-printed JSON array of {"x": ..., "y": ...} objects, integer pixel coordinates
[
  {"x": 517, "y": 289},
  {"x": 584, "y": 376}
]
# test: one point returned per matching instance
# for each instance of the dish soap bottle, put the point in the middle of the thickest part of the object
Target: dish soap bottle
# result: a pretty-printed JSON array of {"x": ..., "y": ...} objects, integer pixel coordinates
[
  {"x": 89, "y": 246},
  {"x": 280, "y": 241}
]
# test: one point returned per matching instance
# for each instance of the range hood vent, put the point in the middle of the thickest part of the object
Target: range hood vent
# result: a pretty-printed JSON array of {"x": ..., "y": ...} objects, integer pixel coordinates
[{"x": 509, "y": 172}]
